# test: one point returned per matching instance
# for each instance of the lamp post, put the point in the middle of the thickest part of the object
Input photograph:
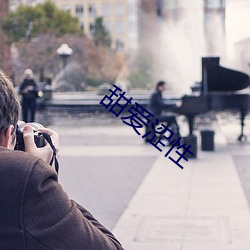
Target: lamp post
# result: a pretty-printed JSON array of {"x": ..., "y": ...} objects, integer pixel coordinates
[{"x": 64, "y": 51}]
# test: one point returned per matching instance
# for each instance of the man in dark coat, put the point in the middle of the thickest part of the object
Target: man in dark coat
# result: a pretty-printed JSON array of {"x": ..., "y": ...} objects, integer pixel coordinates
[
  {"x": 156, "y": 106},
  {"x": 35, "y": 212}
]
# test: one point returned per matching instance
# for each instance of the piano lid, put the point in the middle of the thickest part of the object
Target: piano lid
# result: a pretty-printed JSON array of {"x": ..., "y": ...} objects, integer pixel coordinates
[{"x": 218, "y": 78}]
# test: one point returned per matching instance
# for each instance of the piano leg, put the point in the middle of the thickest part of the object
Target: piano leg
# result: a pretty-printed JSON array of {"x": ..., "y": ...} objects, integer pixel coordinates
[
  {"x": 243, "y": 114},
  {"x": 190, "y": 123},
  {"x": 241, "y": 137}
]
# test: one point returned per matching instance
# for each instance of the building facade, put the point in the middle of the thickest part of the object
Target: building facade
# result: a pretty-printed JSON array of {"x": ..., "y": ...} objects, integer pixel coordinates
[
  {"x": 15, "y": 3},
  {"x": 147, "y": 10},
  {"x": 175, "y": 11},
  {"x": 120, "y": 18}
]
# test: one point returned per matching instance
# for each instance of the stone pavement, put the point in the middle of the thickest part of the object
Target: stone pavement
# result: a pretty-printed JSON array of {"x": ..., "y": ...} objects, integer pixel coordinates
[
  {"x": 202, "y": 206},
  {"x": 102, "y": 167},
  {"x": 151, "y": 202}
]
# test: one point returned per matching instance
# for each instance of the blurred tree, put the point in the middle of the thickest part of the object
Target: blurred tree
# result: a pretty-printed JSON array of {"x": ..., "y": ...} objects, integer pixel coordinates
[
  {"x": 101, "y": 63},
  {"x": 98, "y": 63},
  {"x": 141, "y": 74},
  {"x": 38, "y": 54},
  {"x": 5, "y": 62},
  {"x": 42, "y": 18},
  {"x": 100, "y": 33}
]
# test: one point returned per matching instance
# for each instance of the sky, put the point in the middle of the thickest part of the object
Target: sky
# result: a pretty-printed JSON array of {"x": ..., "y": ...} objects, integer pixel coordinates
[{"x": 237, "y": 23}]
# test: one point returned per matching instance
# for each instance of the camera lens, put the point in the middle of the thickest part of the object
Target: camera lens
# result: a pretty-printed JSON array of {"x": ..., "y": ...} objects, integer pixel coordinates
[{"x": 35, "y": 125}]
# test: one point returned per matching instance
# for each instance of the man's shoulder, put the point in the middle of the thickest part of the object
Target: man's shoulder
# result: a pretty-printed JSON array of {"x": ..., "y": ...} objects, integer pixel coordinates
[
  {"x": 155, "y": 95},
  {"x": 155, "y": 92},
  {"x": 22, "y": 163},
  {"x": 17, "y": 161},
  {"x": 16, "y": 169}
]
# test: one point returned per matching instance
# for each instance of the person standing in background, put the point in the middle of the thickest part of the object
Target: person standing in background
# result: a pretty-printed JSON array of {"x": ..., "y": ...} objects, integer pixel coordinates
[{"x": 29, "y": 92}]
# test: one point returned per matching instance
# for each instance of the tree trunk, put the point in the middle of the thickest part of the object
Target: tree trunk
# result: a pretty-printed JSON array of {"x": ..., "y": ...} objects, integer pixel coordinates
[{"x": 5, "y": 58}]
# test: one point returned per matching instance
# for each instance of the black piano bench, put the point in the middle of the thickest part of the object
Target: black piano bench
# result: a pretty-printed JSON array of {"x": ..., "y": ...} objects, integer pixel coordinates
[{"x": 191, "y": 140}]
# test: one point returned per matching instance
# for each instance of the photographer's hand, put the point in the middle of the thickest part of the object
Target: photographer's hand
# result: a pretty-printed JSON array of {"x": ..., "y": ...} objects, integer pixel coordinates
[{"x": 45, "y": 153}]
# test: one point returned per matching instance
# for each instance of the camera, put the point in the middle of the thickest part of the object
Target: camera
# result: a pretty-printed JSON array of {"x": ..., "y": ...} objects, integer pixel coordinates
[{"x": 38, "y": 137}]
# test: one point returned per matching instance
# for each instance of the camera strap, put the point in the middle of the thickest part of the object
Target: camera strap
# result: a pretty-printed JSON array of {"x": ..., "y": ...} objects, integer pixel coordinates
[{"x": 48, "y": 139}]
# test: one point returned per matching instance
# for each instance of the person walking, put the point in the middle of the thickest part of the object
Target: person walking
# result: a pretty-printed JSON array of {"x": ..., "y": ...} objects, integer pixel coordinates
[{"x": 29, "y": 92}]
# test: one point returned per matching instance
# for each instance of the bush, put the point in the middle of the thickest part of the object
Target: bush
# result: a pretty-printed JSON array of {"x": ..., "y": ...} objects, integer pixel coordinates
[
  {"x": 140, "y": 76},
  {"x": 93, "y": 81}
]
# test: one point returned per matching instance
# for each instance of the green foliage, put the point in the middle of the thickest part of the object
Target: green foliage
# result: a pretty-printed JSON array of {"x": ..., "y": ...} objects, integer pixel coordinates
[
  {"x": 100, "y": 33},
  {"x": 93, "y": 80},
  {"x": 141, "y": 75},
  {"x": 42, "y": 18}
]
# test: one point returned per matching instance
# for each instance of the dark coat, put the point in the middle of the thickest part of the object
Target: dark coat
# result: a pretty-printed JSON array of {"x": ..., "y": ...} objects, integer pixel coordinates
[
  {"x": 156, "y": 103},
  {"x": 31, "y": 94},
  {"x": 36, "y": 214}
]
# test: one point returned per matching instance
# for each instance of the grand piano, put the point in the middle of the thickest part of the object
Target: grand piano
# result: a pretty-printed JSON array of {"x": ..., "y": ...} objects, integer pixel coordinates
[{"x": 220, "y": 89}]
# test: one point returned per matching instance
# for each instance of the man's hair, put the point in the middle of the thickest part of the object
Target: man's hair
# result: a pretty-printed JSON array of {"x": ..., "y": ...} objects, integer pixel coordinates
[
  {"x": 159, "y": 84},
  {"x": 9, "y": 104}
]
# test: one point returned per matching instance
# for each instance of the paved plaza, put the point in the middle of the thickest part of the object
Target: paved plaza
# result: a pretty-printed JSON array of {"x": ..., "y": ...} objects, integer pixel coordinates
[{"x": 148, "y": 201}]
